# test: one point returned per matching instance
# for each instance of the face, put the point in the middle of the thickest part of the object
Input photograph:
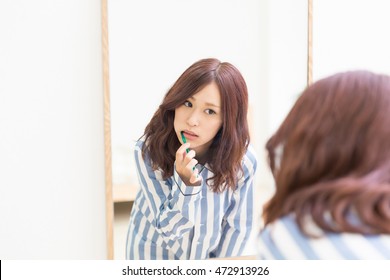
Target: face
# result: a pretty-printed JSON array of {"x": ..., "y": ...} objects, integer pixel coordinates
[{"x": 200, "y": 118}]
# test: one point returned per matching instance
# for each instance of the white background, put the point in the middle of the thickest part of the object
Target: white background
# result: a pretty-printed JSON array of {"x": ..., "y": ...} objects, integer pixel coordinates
[
  {"x": 52, "y": 192},
  {"x": 350, "y": 35}
]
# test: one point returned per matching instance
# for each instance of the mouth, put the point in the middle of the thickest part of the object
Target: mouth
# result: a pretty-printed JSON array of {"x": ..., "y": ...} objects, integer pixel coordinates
[{"x": 189, "y": 135}]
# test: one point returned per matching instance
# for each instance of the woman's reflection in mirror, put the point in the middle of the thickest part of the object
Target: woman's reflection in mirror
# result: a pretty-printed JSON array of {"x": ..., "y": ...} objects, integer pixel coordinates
[{"x": 196, "y": 169}]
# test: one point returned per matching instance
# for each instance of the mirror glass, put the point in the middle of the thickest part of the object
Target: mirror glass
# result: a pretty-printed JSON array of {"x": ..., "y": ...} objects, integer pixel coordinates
[
  {"x": 350, "y": 35},
  {"x": 151, "y": 42}
]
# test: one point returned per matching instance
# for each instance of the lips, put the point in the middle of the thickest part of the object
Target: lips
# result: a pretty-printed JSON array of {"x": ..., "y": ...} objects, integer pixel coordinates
[{"x": 190, "y": 135}]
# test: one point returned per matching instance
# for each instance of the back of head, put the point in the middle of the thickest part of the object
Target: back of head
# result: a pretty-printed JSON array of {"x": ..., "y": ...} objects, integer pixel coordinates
[{"x": 334, "y": 149}]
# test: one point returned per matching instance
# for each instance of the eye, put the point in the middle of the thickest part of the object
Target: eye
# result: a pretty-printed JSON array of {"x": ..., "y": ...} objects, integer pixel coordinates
[
  {"x": 210, "y": 112},
  {"x": 187, "y": 103}
]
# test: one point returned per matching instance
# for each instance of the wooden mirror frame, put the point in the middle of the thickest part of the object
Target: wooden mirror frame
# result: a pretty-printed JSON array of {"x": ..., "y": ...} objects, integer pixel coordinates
[
  {"x": 309, "y": 42},
  {"x": 107, "y": 136},
  {"x": 107, "y": 117}
]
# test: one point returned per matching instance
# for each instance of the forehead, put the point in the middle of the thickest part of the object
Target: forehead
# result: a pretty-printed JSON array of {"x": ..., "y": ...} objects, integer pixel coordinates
[{"x": 208, "y": 95}]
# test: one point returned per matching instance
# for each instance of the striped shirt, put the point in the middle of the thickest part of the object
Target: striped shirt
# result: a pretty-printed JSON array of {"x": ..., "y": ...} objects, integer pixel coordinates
[
  {"x": 284, "y": 240},
  {"x": 170, "y": 220}
]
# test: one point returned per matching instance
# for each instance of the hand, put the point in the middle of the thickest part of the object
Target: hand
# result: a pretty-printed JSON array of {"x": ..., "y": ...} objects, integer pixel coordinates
[{"x": 185, "y": 166}]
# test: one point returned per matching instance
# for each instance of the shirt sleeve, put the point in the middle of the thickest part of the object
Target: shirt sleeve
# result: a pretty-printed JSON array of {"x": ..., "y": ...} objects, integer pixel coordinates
[
  {"x": 171, "y": 204},
  {"x": 238, "y": 220}
]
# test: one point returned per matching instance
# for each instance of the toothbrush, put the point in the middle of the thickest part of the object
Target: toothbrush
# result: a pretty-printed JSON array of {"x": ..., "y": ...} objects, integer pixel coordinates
[{"x": 184, "y": 141}]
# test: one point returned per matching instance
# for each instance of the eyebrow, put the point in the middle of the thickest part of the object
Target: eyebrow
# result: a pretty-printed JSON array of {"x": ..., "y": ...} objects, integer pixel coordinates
[{"x": 207, "y": 103}]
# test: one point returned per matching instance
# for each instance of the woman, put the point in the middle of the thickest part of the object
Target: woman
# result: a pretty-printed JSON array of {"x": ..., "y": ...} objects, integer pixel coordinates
[
  {"x": 331, "y": 162},
  {"x": 195, "y": 170}
]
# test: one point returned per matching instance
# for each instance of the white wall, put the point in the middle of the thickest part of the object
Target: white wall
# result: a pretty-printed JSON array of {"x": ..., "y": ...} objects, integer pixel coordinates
[
  {"x": 282, "y": 75},
  {"x": 52, "y": 194},
  {"x": 350, "y": 35}
]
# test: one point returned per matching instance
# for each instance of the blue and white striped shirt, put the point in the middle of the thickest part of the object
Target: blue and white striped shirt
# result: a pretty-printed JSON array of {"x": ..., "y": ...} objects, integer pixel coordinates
[
  {"x": 284, "y": 240},
  {"x": 170, "y": 220}
]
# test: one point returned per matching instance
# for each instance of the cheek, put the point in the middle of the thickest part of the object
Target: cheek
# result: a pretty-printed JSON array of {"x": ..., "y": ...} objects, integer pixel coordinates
[
  {"x": 175, "y": 119},
  {"x": 178, "y": 114},
  {"x": 178, "y": 119},
  {"x": 215, "y": 126}
]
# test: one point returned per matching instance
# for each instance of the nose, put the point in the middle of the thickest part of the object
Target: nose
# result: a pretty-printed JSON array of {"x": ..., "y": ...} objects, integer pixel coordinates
[{"x": 193, "y": 119}]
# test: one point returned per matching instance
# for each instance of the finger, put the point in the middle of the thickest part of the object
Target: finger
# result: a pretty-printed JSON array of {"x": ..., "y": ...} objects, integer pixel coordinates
[
  {"x": 181, "y": 152},
  {"x": 195, "y": 178},
  {"x": 190, "y": 155},
  {"x": 191, "y": 165}
]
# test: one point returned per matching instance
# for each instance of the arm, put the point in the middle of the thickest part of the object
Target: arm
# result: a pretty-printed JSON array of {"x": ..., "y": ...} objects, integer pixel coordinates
[
  {"x": 238, "y": 220},
  {"x": 169, "y": 204}
]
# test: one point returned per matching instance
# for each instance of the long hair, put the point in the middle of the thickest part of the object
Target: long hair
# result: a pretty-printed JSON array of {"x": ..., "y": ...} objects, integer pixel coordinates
[
  {"x": 229, "y": 145},
  {"x": 331, "y": 156}
]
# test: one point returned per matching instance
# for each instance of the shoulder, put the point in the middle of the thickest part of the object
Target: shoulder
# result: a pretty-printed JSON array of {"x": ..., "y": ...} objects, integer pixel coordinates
[
  {"x": 250, "y": 158},
  {"x": 138, "y": 146},
  {"x": 283, "y": 239},
  {"x": 139, "y": 143},
  {"x": 249, "y": 165}
]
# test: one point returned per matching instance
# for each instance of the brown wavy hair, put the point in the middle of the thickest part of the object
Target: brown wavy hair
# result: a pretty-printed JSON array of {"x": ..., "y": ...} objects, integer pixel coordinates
[
  {"x": 229, "y": 145},
  {"x": 331, "y": 155}
]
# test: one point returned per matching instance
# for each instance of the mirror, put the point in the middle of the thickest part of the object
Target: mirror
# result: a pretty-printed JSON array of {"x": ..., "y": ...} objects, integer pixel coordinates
[{"x": 152, "y": 42}]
